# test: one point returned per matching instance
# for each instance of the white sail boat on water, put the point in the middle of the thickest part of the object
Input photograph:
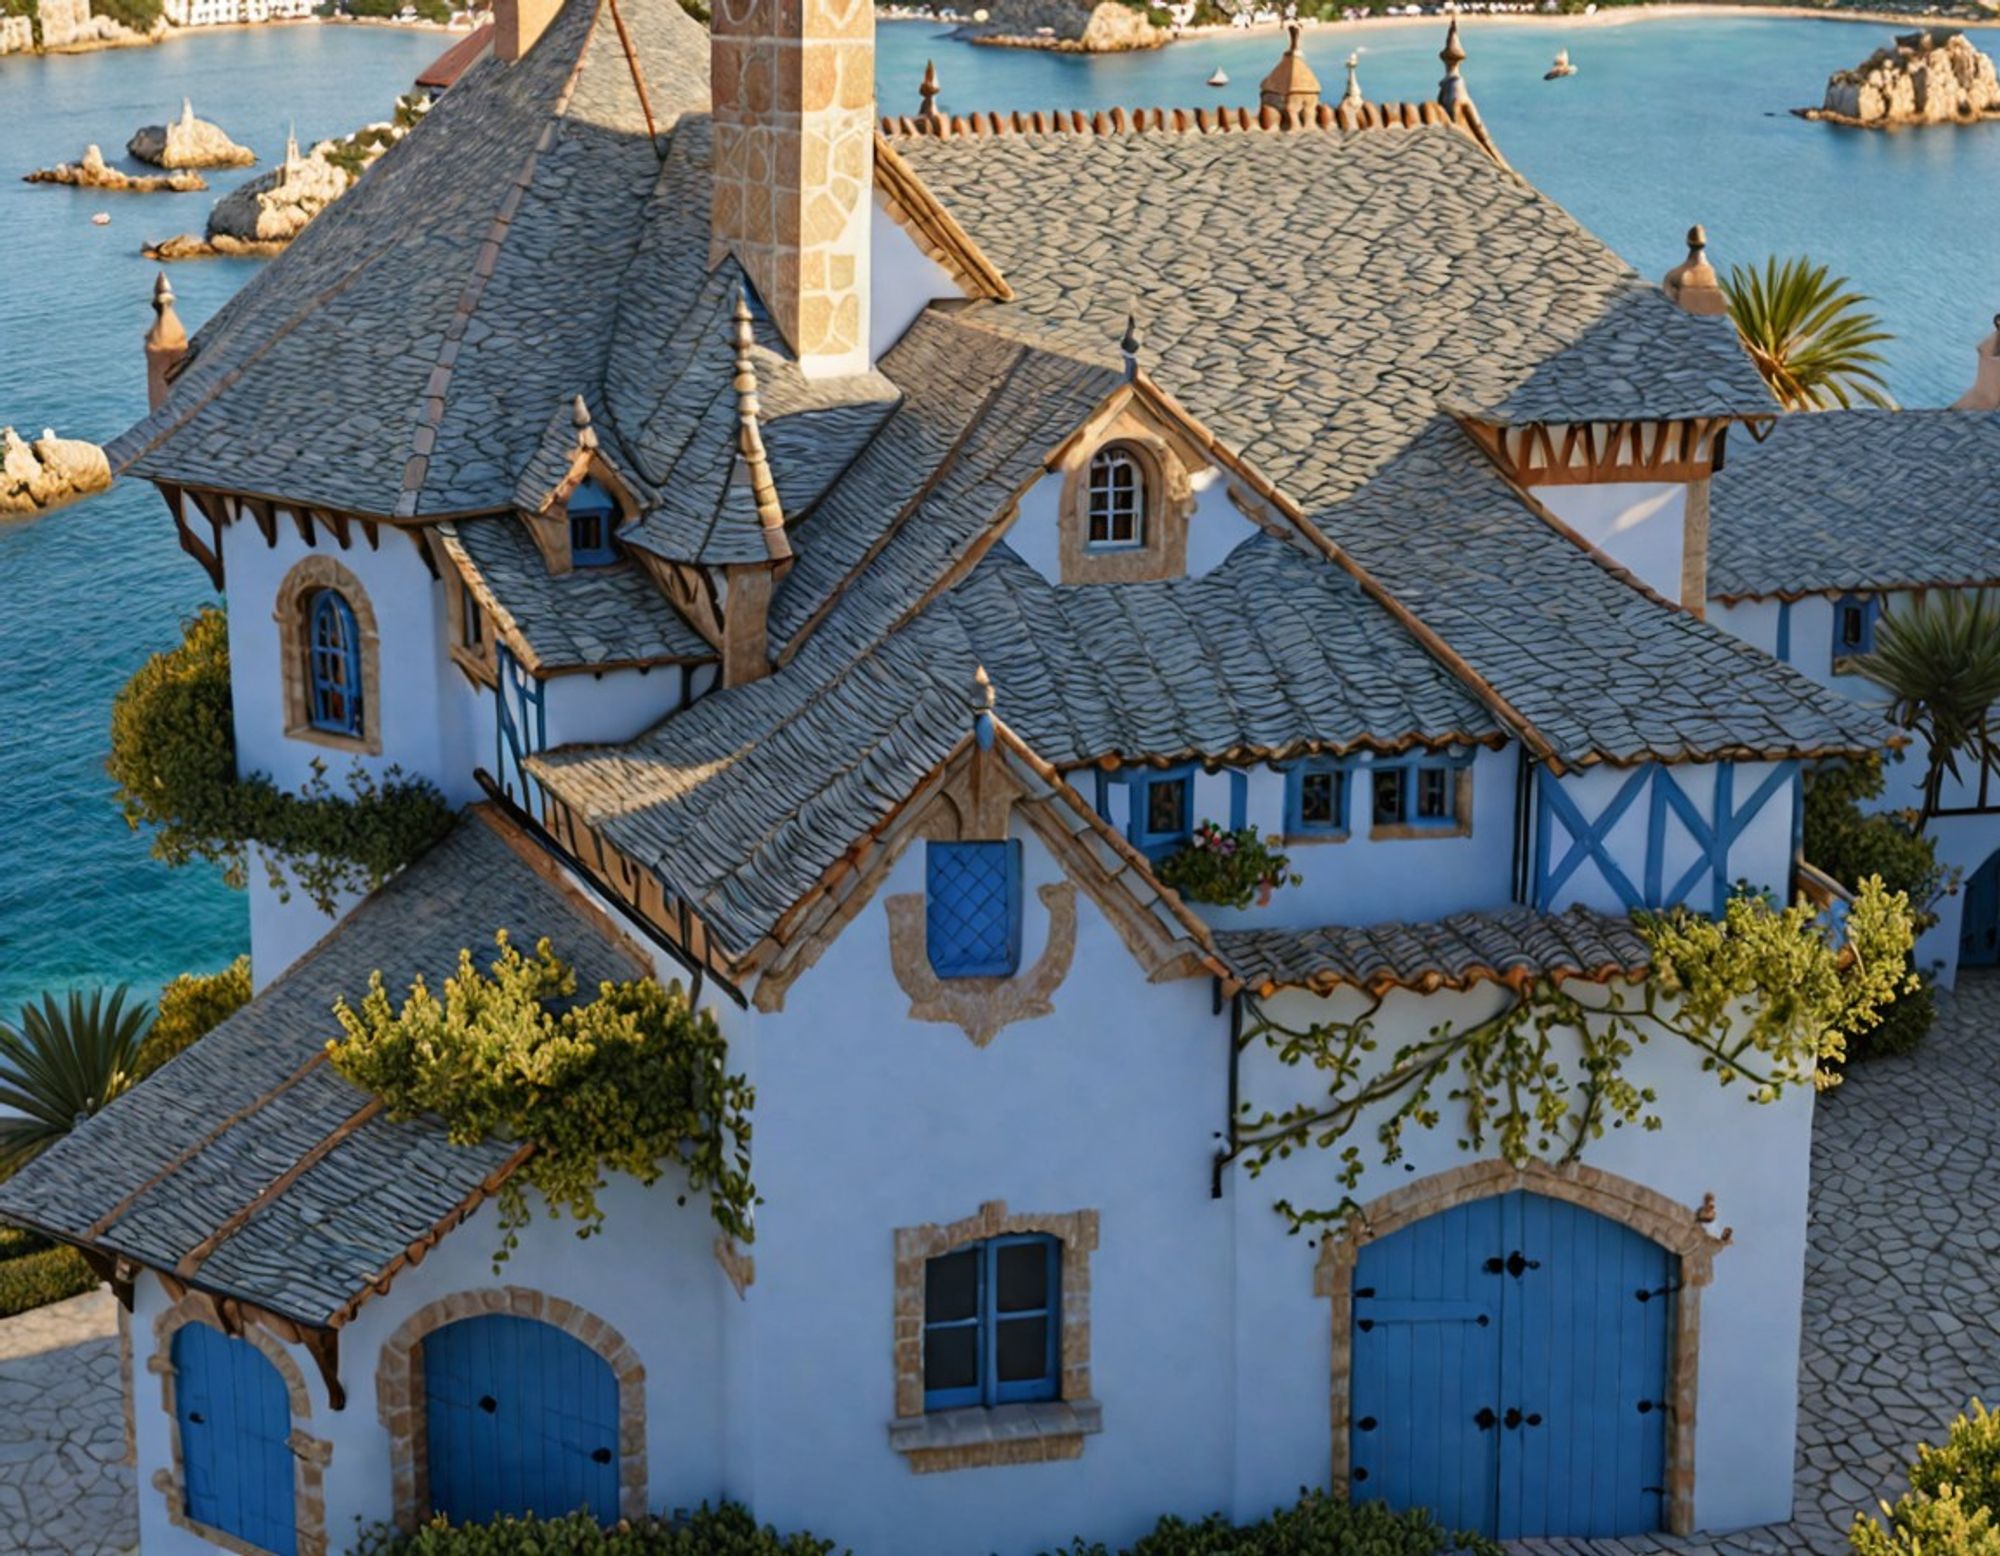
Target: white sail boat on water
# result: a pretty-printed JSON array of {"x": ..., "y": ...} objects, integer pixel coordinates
[
  {"x": 1220, "y": 78},
  {"x": 1562, "y": 67}
]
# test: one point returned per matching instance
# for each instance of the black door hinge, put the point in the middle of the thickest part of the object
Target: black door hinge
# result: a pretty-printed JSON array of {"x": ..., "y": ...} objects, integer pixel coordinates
[
  {"x": 1658, "y": 1291},
  {"x": 1513, "y": 1264}
]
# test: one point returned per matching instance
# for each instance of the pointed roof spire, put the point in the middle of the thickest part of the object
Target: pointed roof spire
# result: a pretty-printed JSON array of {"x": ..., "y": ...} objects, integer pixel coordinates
[
  {"x": 1451, "y": 90},
  {"x": 1291, "y": 83},
  {"x": 579, "y": 418},
  {"x": 982, "y": 708},
  {"x": 1129, "y": 343},
  {"x": 929, "y": 91},
  {"x": 1352, "y": 96},
  {"x": 1692, "y": 283},
  {"x": 750, "y": 437},
  {"x": 166, "y": 342}
]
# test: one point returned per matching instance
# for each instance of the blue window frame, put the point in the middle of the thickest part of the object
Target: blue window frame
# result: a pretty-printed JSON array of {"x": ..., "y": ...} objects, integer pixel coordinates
[
  {"x": 1162, "y": 813},
  {"x": 1415, "y": 794},
  {"x": 1316, "y": 796},
  {"x": 592, "y": 518},
  {"x": 1854, "y": 618},
  {"x": 972, "y": 909},
  {"x": 333, "y": 652},
  {"x": 992, "y": 1322}
]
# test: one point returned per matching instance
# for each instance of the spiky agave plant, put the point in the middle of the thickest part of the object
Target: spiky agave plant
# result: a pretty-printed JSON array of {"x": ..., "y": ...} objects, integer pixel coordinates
[
  {"x": 1808, "y": 335},
  {"x": 1940, "y": 665},
  {"x": 61, "y": 1064}
]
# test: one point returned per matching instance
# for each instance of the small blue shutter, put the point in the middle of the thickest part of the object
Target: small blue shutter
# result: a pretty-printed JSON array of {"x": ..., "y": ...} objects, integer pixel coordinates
[
  {"x": 235, "y": 1422},
  {"x": 972, "y": 909},
  {"x": 520, "y": 1418},
  {"x": 592, "y": 517}
]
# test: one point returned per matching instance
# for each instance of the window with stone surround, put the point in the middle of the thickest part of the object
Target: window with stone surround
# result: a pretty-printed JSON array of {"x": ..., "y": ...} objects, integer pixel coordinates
[
  {"x": 331, "y": 657},
  {"x": 1117, "y": 499},
  {"x": 992, "y": 1340}
]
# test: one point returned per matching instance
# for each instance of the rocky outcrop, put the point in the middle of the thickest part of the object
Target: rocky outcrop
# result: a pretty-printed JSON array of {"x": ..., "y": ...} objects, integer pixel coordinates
[
  {"x": 93, "y": 172},
  {"x": 1068, "y": 26},
  {"x": 45, "y": 474},
  {"x": 67, "y": 25},
  {"x": 17, "y": 35},
  {"x": 1931, "y": 77},
  {"x": 188, "y": 142}
]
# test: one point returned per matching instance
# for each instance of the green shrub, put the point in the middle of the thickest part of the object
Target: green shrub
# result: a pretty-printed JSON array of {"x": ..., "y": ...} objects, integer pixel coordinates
[
  {"x": 1950, "y": 1507},
  {"x": 173, "y": 757},
  {"x": 191, "y": 1006},
  {"x": 1316, "y": 1525},
  {"x": 37, "y": 1279},
  {"x": 1903, "y": 1025},
  {"x": 16, "y": 1241},
  {"x": 139, "y": 15},
  {"x": 721, "y": 1531}
]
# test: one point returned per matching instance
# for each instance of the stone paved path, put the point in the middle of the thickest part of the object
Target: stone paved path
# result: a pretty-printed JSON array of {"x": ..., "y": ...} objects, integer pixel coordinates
[
  {"x": 1902, "y": 1320},
  {"x": 64, "y": 1484}
]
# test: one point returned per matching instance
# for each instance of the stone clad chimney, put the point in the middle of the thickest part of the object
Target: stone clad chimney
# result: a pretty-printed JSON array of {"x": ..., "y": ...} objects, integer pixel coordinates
[
  {"x": 1984, "y": 395},
  {"x": 1291, "y": 83},
  {"x": 793, "y": 83},
  {"x": 1692, "y": 282},
  {"x": 166, "y": 343},
  {"x": 518, "y": 23}
]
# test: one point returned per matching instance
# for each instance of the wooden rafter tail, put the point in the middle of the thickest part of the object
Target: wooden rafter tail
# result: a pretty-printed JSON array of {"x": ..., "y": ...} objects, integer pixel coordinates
[{"x": 323, "y": 1346}]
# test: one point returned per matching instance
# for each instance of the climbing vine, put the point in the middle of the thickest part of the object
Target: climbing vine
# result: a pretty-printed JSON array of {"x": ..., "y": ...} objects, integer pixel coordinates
[
  {"x": 173, "y": 757},
  {"x": 626, "y": 1082},
  {"x": 1763, "y": 995}
]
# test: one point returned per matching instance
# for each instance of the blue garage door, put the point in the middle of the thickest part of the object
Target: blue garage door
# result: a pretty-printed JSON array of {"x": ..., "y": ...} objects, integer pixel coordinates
[
  {"x": 235, "y": 1418},
  {"x": 1510, "y": 1370},
  {"x": 521, "y": 1419}
]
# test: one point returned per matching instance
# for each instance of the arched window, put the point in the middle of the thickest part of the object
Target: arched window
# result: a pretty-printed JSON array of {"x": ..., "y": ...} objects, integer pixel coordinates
[
  {"x": 333, "y": 670},
  {"x": 592, "y": 517},
  {"x": 1117, "y": 499}
]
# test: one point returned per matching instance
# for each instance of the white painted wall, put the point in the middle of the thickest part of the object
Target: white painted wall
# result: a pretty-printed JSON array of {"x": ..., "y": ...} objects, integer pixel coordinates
[
  {"x": 902, "y": 281},
  {"x": 1215, "y": 528},
  {"x": 1641, "y": 525},
  {"x": 609, "y": 705}
]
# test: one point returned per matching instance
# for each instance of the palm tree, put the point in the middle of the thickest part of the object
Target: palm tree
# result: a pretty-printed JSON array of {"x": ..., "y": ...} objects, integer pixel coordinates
[
  {"x": 1940, "y": 664},
  {"x": 61, "y": 1065},
  {"x": 1808, "y": 335}
]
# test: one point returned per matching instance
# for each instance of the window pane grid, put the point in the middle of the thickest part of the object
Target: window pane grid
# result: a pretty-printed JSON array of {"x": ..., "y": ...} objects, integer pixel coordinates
[
  {"x": 334, "y": 665},
  {"x": 1317, "y": 800},
  {"x": 591, "y": 516},
  {"x": 1117, "y": 500},
  {"x": 1013, "y": 1356}
]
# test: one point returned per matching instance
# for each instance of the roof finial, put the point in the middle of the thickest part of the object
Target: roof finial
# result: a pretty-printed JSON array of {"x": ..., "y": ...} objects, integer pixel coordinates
[
  {"x": 1451, "y": 90},
  {"x": 1984, "y": 395},
  {"x": 750, "y": 437},
  {"x": 982, "y": 708},
  {"x": 1129, "y": 343},
  {"x": 579, "y": 418},
  {"x": 929, "y": 91},
  {"x": 1352, "y": 95},
  {"x": 1692, "y": 283},
  {"x": 166, "y": 342}
]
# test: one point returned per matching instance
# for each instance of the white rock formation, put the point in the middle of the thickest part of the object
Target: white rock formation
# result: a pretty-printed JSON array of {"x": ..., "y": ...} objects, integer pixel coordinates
[
  {"x": 1069, "y": 26},
  {"x": 36, "y": 477},
  {"x": 1931, "y": 77},
  {"x": 93, "y": 172},
  {"x": 275, "y": 207},
  {"x": 188, "y": 142}
]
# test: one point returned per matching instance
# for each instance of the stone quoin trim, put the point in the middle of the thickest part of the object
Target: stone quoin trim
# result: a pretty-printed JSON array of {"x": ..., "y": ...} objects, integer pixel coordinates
[
  {"x": 324, "y": 572},
  {"x": 399, "y": 1390},
  {"x": 1673, "y": 1226},
  {"x": 1009, "y": 1434},
  {"x": 310, "y": 1455}
]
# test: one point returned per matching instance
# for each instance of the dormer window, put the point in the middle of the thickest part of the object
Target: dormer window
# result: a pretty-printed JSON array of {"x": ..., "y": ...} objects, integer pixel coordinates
[
  {"x": 1117, "y": 500},
  {"x": 1425, "y": 797},
  {"x": 593, "y": 515},
  {"x": 334, "y": 671},
  {"x": 1854, "y": 617}
]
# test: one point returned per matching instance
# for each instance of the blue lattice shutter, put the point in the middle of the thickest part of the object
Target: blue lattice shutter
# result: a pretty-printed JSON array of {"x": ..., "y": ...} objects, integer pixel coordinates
[{"x": 972, "y": 909}]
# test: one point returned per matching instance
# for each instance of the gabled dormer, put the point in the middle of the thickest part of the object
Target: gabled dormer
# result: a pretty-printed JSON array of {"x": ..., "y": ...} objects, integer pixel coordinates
[{"x": 572, "y": 497}]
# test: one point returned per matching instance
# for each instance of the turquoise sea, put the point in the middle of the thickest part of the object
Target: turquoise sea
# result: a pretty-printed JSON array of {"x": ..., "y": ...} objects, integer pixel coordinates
[{"x": 1666, "y": 123}]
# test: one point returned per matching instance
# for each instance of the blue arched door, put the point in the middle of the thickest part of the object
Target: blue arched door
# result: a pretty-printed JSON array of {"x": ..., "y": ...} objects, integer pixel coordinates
[
  {"x": 1510, "y": 1370},
  {"x": 521, "y": 1418},
  {"x": 1979, "y": 929},
  {"x": 235, "y": 1422}
]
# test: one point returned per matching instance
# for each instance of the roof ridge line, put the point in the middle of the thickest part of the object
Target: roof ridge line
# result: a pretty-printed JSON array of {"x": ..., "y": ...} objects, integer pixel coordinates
[
  {"x": 431, "y": 407},
  {"x": 1205, "y": 121}
]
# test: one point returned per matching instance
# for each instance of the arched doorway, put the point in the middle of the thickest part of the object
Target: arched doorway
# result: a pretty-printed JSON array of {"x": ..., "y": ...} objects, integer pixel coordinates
[
  {"x": 1979, "y": 927},
  {"x": 519, "y": 1418},
  {"x": 233, "y": 1414},
  {"x": 1511, "y": 1370}
]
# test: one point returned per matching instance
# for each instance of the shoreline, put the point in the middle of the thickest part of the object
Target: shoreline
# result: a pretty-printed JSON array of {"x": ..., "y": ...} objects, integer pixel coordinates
[{"x": 171, "y": 33}]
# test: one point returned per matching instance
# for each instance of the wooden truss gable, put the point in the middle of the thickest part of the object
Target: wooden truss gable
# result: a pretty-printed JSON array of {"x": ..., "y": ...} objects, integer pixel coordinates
[{"x": 1587, "y": 453}]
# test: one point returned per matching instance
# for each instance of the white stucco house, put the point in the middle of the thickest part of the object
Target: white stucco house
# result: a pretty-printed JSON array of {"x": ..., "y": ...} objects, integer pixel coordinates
[{"x": 838, "y": 559}]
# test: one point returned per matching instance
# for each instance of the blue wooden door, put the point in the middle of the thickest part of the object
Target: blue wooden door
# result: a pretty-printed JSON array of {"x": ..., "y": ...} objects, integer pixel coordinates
[
  {"x": 235, "y": 1422},
  {"x": 1510, "y": 1370},
  {"x": 1979, "y": 931},
  {"x": 521, "y": 1418}
]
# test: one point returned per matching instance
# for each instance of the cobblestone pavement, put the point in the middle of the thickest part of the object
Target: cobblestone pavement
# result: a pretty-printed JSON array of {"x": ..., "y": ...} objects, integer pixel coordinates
[
  {"x": 64, "y": 1484},
  {"x": 1902, "y": 1323}
]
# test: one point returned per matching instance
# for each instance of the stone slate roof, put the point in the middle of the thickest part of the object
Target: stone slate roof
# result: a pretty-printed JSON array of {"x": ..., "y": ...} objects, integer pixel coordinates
[
  {"x": 406, "y": 353},
  {"x": 591, "y": 618},
  {"x": 1862, "y": 499},
  {"x": 1512, "y": 945},
  {"x": 174, "y": 1162}
]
